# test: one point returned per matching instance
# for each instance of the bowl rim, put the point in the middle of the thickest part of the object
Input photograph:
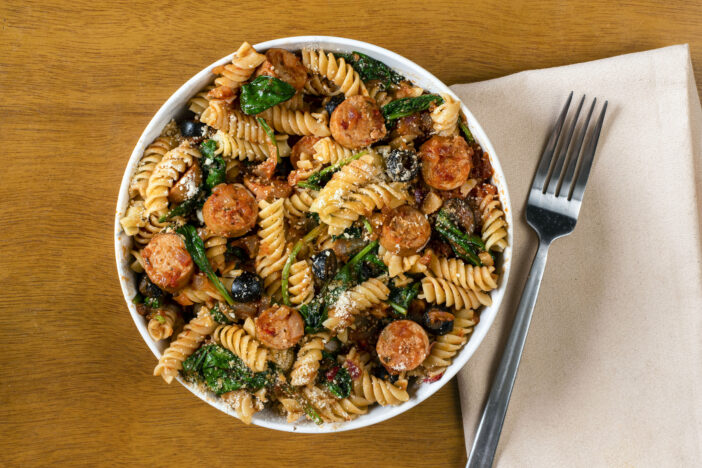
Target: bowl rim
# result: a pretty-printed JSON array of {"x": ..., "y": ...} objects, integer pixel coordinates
[{"x": 176, "y": 103}]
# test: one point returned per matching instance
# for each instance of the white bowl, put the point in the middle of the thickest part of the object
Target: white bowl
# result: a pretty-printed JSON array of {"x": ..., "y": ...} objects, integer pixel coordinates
[{"x": 177, "y": 105}]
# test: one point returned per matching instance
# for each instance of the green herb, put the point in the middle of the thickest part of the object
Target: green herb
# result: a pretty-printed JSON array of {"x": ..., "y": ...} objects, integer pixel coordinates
[
  {"x": 138, "y": 298},
  {"x": 184, "y": 209},
  {"x": 466, "y": 131},
  {"x": 314, "y": 314},
  {"x": 351, "y": 232},
  {"x": 313, "y": 414},
  {"x": 219, "y": 316},
  {"x": 271, "y": 135},
  {"x": 407, "y": 106},
  {"x": 465, "y": 246},
  {"x": 263, "y": 93},
  {"x": 400, "y": 298},
  {"x": 222, "y": 371},
  {"x": 291, "y": 259},
  {"x": 160, "y": 318},
  {"x": 370, "y": 267},
  {"x": 313, "y": 216},
  {"x": 371, "y": 69},
  {"x": 317, "y": 180},
  {"x": 338, "y": 381},
  {"x": 214, "y": 167},
  {"x": 346, "y": 274},
  {"x": 153, "y": 302},
  {"x": 196, "y": 248}
]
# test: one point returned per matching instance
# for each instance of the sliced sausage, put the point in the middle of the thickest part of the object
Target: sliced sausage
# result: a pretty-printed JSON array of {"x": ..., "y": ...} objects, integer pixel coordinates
[
  {"x": 304, "y": 146},
  {"x": 280, "y": 327},
  {"x": 402, "y": 346},
  {"x": 446, "y": 162},
  {"x": 230, "y": 211},
  {"x": 357, "y": 122},
  {"x": 187, "y": 186},
  {"x": 167, "y": 262},
  {"x": 285, "y": 66},
  {"x": 405, "y": 231},
  {"x": 268, "y": 189}
]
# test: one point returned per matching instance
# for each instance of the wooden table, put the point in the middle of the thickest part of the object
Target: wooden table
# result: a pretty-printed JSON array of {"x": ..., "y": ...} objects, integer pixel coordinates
[{"x": 79, "y": 81}]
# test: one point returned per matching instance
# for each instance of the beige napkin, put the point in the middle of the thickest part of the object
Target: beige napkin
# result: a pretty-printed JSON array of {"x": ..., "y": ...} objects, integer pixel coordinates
[{"x": 612, "y": 370}]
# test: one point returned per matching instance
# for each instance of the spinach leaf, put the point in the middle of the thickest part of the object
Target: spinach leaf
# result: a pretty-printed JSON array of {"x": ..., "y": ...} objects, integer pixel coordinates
[
  {"x": 214, "y": 167},
  {"x": 314, "y": 314},
  {"x": 264, "y": 92},
  {"x": 184, "y": 209},
  {"x": 196, "y": 248},
  {"x": 371, "y": 69},
  {"x": 337, "y": 380},
  {"x": 317, "y": 180},
  {"x": 400, "y": 298},
  {"x": 407, "y": 106},
  {"x": 218, "y": 315},
  {"x": 222, "y": 371},
  {"x": 351, "y": 232}
]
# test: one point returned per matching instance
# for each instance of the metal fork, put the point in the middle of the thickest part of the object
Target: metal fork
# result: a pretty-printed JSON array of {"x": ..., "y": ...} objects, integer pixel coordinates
[{"x": 552, "y": 211}]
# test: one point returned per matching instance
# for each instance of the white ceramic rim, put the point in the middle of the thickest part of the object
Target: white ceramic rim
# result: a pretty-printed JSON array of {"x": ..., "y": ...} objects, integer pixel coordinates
[{"x": 178, "y": 102}]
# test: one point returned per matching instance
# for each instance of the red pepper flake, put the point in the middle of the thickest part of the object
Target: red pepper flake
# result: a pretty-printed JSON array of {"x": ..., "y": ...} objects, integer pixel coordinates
[
  {"x": 353, "y": 369},
  {"x": 331, "y": 373},
  {"x": 433, "y": 379}
]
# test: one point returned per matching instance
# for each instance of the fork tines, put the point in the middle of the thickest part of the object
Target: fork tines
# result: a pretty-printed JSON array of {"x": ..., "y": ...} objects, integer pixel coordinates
[{"x": 565, "y": 174}]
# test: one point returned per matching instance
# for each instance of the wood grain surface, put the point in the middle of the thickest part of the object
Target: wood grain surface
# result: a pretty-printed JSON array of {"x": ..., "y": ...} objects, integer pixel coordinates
[{"x": 79, "y": 81}]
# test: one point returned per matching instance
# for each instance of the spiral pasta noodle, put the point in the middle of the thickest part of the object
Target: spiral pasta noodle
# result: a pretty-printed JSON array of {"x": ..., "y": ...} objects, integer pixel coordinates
[
  {"x": 220, "y": 116},
  {"x": 239, "y": 342},
  {"x": 161, "y": 325},
  {"x": 328, "y": 151},
  {"x": 193, "y": 334},
  {"x": 151, "y": 157},
  {"x": 244, "y": 63},
  {"x": 198, "y": 103},
  {"x": 243, "y": 403},
  {"x": 318, "y": 86},
  {"x": 351, "y": 302},
  {"x": 271, "y": 252},
  {"x": 152, "y": 227},
  {"x": 467, "y": 276},
  {"x": 330, "y": 409},
  {"x": 494, "y": 230},
  {"x": 134, "y": 218},
  {"x": 440, "y": 291},
  {"x": 335, "y": 70},
  {"x": 291, "y": 408},
  {"x": 362, "y": 202},
  {"x": 306, "y": 365},
  {"x": 239, "y": 149},
  {"x": 298, "y": 203},
  {"x": 398, "y": 264},
  {"x": 301, "y": 283},
  {"x": 199, "y": 291},
  {"x": 445, "y": 117},
  {"x": 369, "y": 389},
  {"x": 378, "y": 92},
  {"x": 166, "y": 173},
  {"x": 215, "y": 248},
  {"x": 295, "y": 122},
  {"x": 446, "y": 346}
]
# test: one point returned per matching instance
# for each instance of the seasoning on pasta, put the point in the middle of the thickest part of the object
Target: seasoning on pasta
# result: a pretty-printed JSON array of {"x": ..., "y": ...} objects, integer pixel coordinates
[{"x": 316, "y": 236}]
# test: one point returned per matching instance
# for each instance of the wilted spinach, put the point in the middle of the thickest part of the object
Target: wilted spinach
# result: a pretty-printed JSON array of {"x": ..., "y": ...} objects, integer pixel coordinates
[
  {"x": 264, "y": 92},
  {"x": 369, "y": 68},
  {"x": 407, "y": 106}
]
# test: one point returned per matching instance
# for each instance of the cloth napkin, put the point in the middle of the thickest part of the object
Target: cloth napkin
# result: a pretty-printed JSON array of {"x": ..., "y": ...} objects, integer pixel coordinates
[{"x": 611, "y": 374}]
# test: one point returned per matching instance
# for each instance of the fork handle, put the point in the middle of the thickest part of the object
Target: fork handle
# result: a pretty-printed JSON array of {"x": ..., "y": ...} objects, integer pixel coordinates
[{"x": 488, "y": 435}]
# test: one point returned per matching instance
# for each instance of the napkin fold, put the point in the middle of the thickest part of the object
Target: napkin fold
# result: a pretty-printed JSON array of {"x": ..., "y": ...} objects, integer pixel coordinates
[{"x": 611, "y": 374}]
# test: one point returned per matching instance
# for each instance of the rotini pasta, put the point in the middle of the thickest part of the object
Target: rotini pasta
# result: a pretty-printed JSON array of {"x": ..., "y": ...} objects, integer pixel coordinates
[
  {"x": 162, "y": 323},
  {"x": 446, "y": 346},
  {"x": 440, "y": 291},
  {"x": 239, "y": 149},
  {"x": 151, "y": 157},
  {"x": 327, "y": 151},
  {"x": 494, "y": 231},
  {"x": 398, "y": 264},
  {"x": 239, "y": 342},
  {"x": 221, "y": 116},
  {"x": 306, "y": 365},
  {"x": 271, "y": 252},
  {"x": 134, "y": 219},
  {"x": 335, "y": 70},
  {"x": 244, "y": 63},
  {"x": 353, "y": 301},
  {"x": 165, "y": 174},
  {"x": 200, "y": 101},
  {"x": 299, "y": 202},
  {"x": 467, "y": 276},
  {"x": 297, "y": 122},
  {"x": 445, "y": 117},
  {"x": 244, "y": 404},
  {"x": 184, "y": 345},
  {"x": 301, "y": 283}
]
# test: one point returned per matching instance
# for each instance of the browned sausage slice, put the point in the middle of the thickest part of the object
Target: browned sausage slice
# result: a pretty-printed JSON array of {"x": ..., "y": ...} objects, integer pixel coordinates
[
  {"x": 280, "y": 327},
  {"x": 357, "y": 122},
  {"x": 406, "y": 231},
  {"x": 268, "y": 189},
  {"x": 402, "y": 346},
  {"x": 446, "y": 162},
  {"x": 285, "y": 66},
  {"x": 187, "y": 186},
  {"x": 167, "y": 262},
  {"x": 230, "y": 211}
]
